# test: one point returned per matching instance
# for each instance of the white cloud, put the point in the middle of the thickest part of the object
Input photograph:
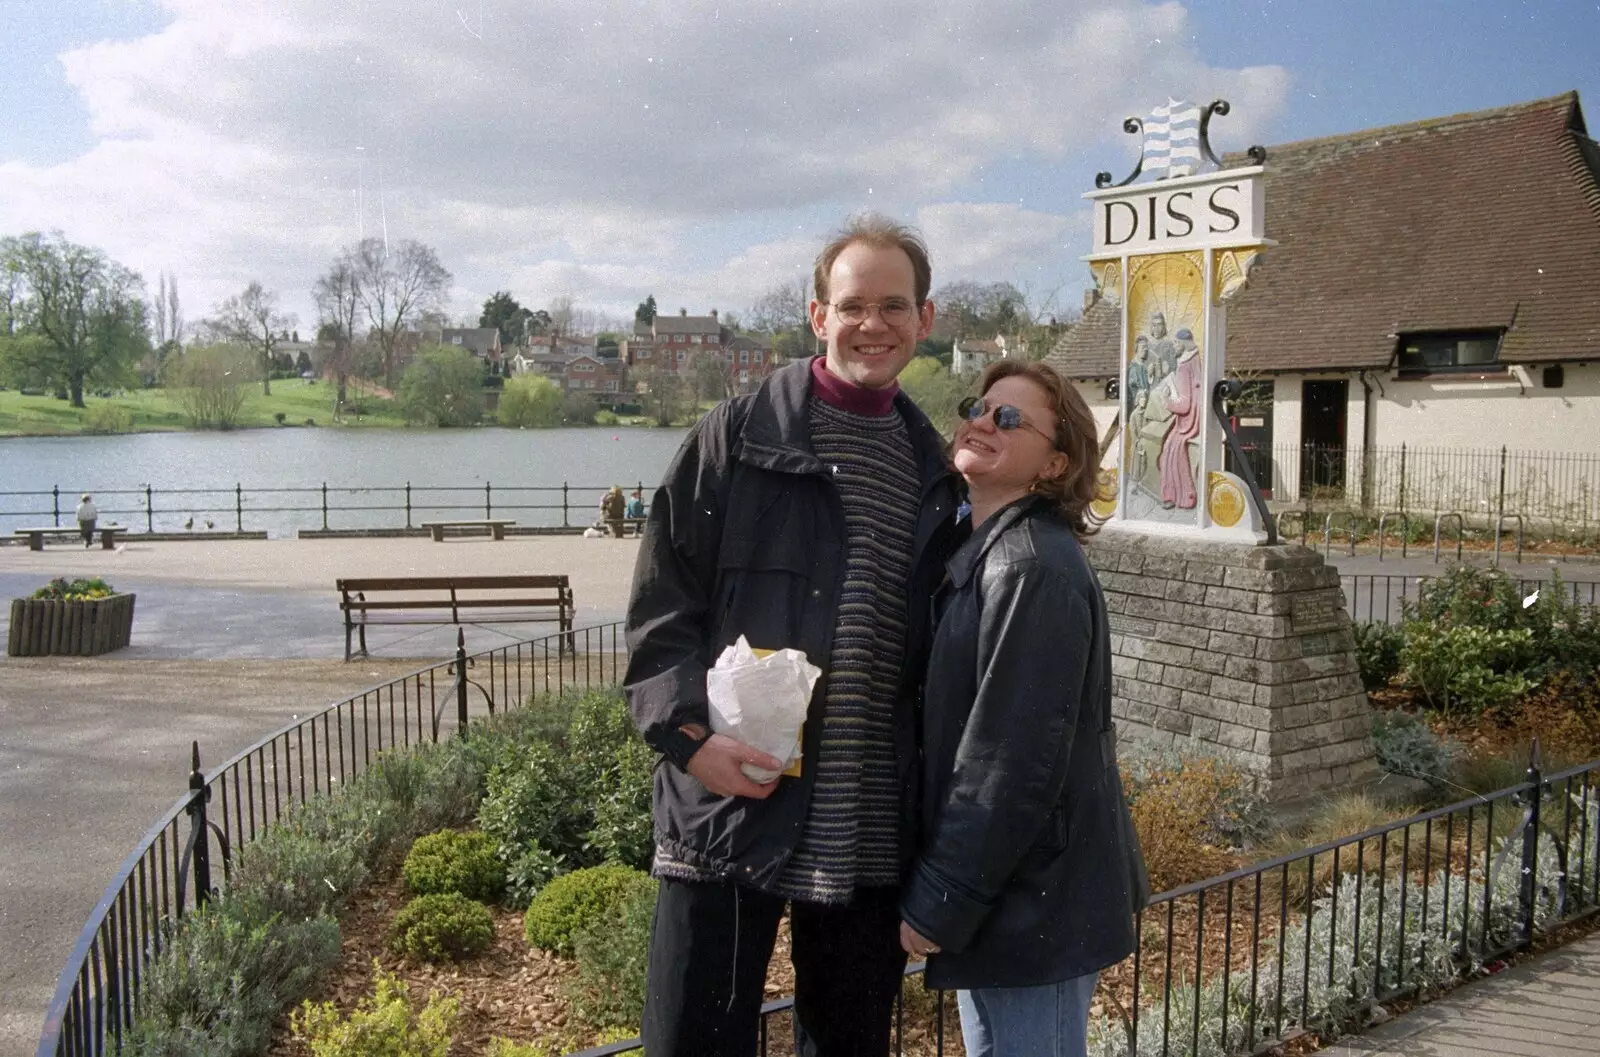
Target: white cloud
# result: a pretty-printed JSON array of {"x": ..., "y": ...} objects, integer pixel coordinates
[{"x": 604, "y": 148}]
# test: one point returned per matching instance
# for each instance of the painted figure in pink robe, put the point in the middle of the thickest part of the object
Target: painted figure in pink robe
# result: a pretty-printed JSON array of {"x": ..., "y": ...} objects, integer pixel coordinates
[{"x": 1187, "y": 405}]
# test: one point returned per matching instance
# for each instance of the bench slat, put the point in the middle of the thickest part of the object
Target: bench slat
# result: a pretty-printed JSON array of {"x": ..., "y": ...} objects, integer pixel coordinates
[
  {"x": 460, "y": 603},
  {"x": 445, "y": 583}
]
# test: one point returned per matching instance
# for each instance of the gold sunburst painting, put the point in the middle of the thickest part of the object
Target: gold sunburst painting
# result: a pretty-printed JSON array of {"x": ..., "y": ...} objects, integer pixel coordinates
[{"x": 1163, "y": 400}]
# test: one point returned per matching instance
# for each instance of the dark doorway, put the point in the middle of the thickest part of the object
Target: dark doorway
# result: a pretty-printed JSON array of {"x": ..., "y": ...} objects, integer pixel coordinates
[
  {"x": 1252, "y": 424},
  {"x": 1322, "y": 422}
]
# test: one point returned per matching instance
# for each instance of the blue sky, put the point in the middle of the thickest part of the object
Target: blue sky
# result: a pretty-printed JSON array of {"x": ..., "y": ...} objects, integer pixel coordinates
[{"x": 607, "y": 149}]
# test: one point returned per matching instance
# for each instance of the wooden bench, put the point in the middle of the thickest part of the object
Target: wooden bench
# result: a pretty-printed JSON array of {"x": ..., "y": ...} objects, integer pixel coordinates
[
  {"x": 453, "y": 600},
  {"x": 36, "y": 535},
  {"x": 495, "y": 525}
]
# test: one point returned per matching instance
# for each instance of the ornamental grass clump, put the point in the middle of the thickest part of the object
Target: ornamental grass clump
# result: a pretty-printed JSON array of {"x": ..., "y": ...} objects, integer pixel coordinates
[
  {"x": 444, "y": 927},
  {"x": 384, "y": 1024},
  {"x": 455, "y": 861}
]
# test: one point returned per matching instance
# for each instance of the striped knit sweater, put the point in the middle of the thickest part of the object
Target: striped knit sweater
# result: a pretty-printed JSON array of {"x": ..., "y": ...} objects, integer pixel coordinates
[{"x": 851, "y": 834}]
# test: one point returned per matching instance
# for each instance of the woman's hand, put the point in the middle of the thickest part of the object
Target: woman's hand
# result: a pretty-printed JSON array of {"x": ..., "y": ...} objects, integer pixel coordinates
[{"x": 915, "y": 943}]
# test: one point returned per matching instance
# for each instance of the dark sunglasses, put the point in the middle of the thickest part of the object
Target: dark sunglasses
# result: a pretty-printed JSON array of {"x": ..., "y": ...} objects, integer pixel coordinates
[{"x": 1007, "y": 417}]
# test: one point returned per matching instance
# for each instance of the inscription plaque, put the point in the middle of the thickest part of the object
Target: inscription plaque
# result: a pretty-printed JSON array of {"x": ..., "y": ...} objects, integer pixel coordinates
[
  {"x": 1316, "y": 611},
  {"x": 1123, "y": 624}
]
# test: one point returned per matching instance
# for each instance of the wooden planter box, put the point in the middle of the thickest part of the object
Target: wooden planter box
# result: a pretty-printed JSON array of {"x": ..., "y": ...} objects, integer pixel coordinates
[{"x": 42, "y": 627}]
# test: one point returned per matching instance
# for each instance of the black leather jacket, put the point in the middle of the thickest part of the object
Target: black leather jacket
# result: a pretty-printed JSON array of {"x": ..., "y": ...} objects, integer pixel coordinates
[
  {"x": 1030, "y": 871},
  {"x": 746, "y": 537}
]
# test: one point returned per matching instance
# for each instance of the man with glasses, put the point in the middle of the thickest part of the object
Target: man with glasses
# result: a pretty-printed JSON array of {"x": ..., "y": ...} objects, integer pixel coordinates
[{"x": 815, "y": 513}]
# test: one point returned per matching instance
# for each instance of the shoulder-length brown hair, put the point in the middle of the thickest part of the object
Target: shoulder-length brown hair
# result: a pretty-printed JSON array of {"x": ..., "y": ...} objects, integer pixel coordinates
[{"x": 1076, "y": 437}]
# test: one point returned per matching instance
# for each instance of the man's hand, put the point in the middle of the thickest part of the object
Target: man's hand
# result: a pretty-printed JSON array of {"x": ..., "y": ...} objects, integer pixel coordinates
[
  {"x": 915, "y": 943},
  {"x": 716, "y": 765}
]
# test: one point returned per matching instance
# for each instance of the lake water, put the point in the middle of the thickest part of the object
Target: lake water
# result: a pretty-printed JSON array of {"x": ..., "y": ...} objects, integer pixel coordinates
[{"x": 272, "y": 479}]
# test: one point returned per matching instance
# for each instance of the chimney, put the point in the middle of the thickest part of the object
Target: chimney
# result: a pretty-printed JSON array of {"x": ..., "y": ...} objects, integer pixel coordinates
[
  {"x": 713, "y": 313},
  {"x": 683, "y": 311}
]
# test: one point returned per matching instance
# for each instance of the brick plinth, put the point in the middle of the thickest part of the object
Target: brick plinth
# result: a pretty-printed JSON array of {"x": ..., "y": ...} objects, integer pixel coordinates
[{"x": 1236, "y": 651}]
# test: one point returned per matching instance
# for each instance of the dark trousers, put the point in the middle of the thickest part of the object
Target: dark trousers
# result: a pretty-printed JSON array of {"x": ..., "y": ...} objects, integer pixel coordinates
[
  {"x": 709, "y": 948},
  {"x": 87, "y": 529}
]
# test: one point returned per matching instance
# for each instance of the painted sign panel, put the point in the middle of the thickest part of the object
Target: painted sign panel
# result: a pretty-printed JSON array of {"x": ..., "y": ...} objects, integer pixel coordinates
[{"x": 1217, "y": 209}]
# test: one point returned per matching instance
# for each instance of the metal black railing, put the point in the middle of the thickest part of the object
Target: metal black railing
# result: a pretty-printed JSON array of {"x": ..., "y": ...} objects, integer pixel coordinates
[
  {"x": 171, "y": 870},
  {"x": 282, "y": 511},
  {"x": 1313, "y": 940},
  {"x": 1554, "y": 485},
  {"x": 1379, "y": 597}
]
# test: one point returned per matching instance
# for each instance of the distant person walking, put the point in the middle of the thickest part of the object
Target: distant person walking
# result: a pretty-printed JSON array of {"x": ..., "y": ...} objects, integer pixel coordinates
[
  {"x": 87, "y": 516},
  {"x": 613, "y": 508}
]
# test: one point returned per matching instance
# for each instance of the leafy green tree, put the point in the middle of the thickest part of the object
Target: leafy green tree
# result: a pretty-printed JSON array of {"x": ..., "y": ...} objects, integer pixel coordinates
[
  {"x": 89, "y": 310},
  {"x": 663, "y": 395},
  {"x": 530, "y": 401},
  {"x": 443, "y": 386},
  {"x": 646, "y": 312},
  {"x": 503, "y": 313},
  {"x": 935, "y": 390}
]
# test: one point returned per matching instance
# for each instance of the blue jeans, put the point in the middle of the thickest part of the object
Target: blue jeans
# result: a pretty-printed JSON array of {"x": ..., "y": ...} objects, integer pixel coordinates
[{"x": 1047, "y": 1021}]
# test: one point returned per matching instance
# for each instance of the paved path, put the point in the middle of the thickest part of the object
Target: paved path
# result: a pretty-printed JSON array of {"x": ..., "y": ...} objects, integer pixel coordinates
[
  {"x": 1548, "y": 1006},
  {"x": 230, "y": 640}
]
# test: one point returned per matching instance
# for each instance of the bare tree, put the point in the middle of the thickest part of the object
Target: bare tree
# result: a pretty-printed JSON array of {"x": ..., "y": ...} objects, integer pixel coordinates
[
  {"x": 395, "y": 289},
  {"x": 784, "y": 312},
  {"x": 338, "y": 297},
  {"x": 251, "y": 319},
  {"x": 166, "y": 315}
]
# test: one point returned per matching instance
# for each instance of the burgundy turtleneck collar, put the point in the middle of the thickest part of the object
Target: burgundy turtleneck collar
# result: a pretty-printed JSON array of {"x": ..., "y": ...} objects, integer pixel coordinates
[{"x": 856, "y": 399}]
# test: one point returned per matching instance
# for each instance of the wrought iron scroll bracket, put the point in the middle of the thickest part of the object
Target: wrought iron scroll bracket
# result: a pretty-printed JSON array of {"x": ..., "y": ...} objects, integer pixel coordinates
[
  {"x": 1229, "y": 389},
  {"x": 1132, "y": 126}
]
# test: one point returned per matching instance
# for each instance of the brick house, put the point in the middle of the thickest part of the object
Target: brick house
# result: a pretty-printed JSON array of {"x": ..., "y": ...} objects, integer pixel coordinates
[
  {"x": 1434, "y": 285},
  {"x": 676, "y": 343},
  {"x": 482, "y": 342}
]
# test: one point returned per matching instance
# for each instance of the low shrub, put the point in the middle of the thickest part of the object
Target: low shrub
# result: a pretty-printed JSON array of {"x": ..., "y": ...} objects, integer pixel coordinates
[
  {"x": 1378, "y": 652},
  {"x": 623, "y": 830},
  {"x": 108, "y": 418},
  {"x": 500, "y": 1046},
  {"x": 1189, "y": 812},
  {"x": 384, "y": 1024},
  {"x": 455, "y": 861},
  {"x": 612, "y": 951},
  {"x": 568, "y": 903},
  {"x": 299, "y": 874},
  {"x": 443, "y": 927},
  {"x": 527, "y": 874},
  {"x": 537, "y": 797},
  {"x": 1335, "y": 818},
  {"x": 225, "y": 974},
  {"x": 1405, "y": 745},
  {"x": 1467, "y": 667}
]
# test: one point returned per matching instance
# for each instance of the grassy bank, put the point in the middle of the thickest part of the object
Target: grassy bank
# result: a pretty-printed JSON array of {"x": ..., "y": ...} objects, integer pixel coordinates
[{"x": 158, "y": 409}]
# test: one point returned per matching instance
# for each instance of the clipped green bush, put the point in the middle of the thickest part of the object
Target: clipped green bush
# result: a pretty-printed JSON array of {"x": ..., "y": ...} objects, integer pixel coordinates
[
  {"x": 225, "y": 974},
  {"x": 1378, "y": 652},
  {"x": 384, "y": 1024},
  {"x": 455, "y": 861},
  {"x": 1465, "y": 667},
  {"x": 612, "y": 951},
  {"x": 443, "y": 927},
  {"x": 1405, "y": 745},
  {"x": 571, "y": 901}
]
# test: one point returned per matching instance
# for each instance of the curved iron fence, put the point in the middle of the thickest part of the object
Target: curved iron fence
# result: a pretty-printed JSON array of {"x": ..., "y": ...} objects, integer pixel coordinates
[
  {"x": 1225, "y": 966},
  {"x": 171, "y": 869}
]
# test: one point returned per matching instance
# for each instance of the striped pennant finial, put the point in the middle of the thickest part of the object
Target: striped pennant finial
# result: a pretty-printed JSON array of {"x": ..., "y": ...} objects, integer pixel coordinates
[{"x": 1172, "y": 139}]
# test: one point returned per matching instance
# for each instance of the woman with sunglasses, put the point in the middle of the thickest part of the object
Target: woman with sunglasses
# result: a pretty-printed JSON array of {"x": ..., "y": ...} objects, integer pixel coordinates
[{"x": 1029, "y": 872}]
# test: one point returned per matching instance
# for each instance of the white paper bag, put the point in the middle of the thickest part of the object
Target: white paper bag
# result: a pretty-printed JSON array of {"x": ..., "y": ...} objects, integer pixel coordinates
[{"x": 760, "y": 698}]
